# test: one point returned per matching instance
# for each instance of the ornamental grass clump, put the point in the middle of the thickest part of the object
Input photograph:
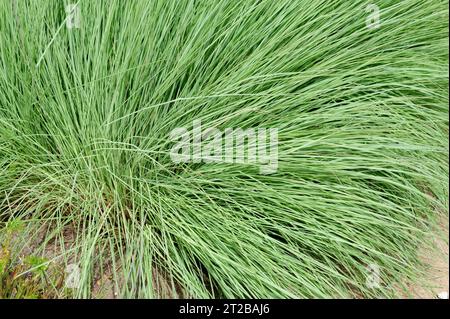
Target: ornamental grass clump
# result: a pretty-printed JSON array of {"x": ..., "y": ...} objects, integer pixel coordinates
[{"x": 356, "y": 92}]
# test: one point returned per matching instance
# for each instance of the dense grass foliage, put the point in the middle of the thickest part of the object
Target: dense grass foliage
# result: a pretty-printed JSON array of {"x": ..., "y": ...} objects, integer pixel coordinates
[{"x": 362, "y": 115}]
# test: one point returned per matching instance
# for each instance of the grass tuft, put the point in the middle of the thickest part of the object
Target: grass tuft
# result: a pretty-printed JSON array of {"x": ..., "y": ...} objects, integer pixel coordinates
[{"x": 362, "y": 118}]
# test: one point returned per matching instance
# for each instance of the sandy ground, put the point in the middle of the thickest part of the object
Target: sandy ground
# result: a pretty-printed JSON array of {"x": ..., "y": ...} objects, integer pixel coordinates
[{"x": 438, "y": 260}]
